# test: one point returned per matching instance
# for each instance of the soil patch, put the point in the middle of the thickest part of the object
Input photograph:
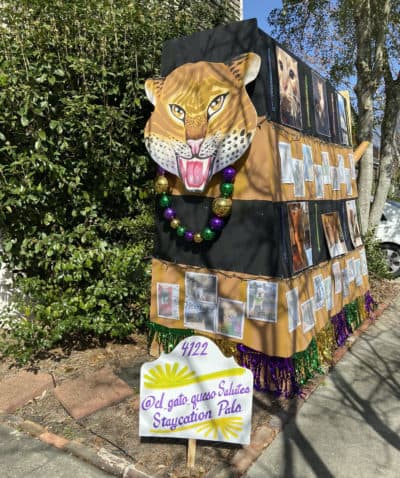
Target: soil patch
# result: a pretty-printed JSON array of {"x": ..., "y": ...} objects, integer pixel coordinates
[{"x": 115, "y": 428}]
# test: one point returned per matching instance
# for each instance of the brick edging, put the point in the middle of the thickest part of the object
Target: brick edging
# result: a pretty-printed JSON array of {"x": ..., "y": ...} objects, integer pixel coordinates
[
  {"x": 241, "y": 461},
  {"x": 100, "y": 458}
]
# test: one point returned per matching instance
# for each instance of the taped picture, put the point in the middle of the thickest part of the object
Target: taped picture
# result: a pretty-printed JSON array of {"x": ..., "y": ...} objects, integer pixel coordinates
[
  {"x": 333, "y": 234},
  {"x": 307, "y": 312},
  {"x": 289, "y": 90},
  {"x": 292, "y": 298},
  {"x": 168, "y": 300},
  {"x": 286, "y": 163},
  {"x": 326, "y": 167},
  {"x": 200, "y": 316},
  {"x": 308, "y": 162},
  {"x": 200, "y": 287},
  {"x": 319, "y": 181},
  {"x": 300, "y": 235},
  {"x": 353, "y": 224},
  {"x": 337, "y": 275},
  {"x": 298, "y": 171},
  {"x": 328, "y": 293},
  {"x": 262, "y": 301},
  {"x": 319, "y": 292},
  {"x": 320, "y": 101},
  {"x": 230, "y": 318}
]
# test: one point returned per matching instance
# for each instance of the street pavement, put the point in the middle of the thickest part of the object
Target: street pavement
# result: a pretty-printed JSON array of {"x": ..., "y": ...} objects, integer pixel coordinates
[
  {"x": 23, "y": 456},
  {"x": 349, "y": 427}
]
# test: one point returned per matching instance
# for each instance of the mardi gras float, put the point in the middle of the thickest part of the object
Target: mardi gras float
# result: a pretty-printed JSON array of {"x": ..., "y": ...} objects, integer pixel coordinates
[{"x": 258, "y": 243}]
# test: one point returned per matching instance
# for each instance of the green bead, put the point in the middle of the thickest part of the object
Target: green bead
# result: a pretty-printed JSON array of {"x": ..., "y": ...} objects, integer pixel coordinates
[
  {"x": 226, "y": 189},
  {"x": 164, "y": 201},
  {"x": 207, "y": 234},
  {"x": 180, "y": 230}
]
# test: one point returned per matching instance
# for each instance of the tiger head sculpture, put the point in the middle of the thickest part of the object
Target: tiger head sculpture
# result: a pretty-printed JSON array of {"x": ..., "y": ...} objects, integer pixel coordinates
[{"x": 203, "y": 118}]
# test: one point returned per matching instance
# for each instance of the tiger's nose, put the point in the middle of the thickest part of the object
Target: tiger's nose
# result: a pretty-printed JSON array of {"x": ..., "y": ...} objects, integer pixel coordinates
[{"x": 195, "y": 145}]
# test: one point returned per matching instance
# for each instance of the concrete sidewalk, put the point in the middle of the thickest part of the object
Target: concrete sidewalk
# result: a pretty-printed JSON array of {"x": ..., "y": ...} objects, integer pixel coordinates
[
  {"x": 350, "y": 425},
  {"x": 23, "y": 456}
]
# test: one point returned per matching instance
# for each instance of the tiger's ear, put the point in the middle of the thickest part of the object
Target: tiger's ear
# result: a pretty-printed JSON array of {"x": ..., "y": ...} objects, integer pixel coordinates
[
  {"x": 245, "y": 67},
  {"x": 153, "y": 87}
]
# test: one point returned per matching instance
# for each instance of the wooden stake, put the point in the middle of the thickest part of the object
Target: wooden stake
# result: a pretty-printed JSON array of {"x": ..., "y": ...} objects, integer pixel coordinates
[{"x": 191, "y": 454}]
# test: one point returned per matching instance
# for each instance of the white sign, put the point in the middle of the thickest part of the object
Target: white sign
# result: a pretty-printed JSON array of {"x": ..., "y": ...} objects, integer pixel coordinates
[{"x": 196, "y": 392}]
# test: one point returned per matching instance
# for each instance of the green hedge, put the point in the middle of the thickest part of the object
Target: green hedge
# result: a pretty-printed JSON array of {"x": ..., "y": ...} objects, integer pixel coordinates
[{"x": 75, "y": 180}]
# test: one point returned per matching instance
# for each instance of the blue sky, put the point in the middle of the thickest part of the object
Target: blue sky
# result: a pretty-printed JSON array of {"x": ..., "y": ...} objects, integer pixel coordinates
[{"x": 260, "y": 9}]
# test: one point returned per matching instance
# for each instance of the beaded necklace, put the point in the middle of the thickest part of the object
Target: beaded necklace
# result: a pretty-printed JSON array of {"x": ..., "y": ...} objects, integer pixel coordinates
[{"x": 221, "y": 208}]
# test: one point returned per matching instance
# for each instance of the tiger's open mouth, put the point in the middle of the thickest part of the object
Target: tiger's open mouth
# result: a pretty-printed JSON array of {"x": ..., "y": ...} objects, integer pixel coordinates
[{"x": 194, "y": 172}]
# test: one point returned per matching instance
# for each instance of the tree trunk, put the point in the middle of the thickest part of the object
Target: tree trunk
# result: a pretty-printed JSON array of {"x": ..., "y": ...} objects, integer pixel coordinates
[{"x": 388, "y": 133}]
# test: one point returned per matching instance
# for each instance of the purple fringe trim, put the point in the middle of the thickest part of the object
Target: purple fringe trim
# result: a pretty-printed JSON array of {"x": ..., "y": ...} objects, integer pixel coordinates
[
  {"x": 271, "y": 374},
  {"x": 341, "y": 327},
  {"x": 370, "y": 305}
]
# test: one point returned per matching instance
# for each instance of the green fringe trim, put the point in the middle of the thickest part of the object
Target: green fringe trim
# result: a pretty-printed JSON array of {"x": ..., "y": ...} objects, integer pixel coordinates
[
  {"x": 306, "y": 363},
  {"x": 353, "y": 317},
  {"x": 166, "y": 337}
]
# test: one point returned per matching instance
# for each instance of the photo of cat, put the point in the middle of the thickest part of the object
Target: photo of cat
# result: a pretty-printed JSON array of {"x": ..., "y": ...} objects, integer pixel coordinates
[
  {"x": 333, "y": 234},
  {"x": 344, "y": 134},
  {"x": 289, "y": 90},
  {"x": 320, "y": 102},
  {"x": 352, "y": 221},
  {"x": 300, "y": 235}
]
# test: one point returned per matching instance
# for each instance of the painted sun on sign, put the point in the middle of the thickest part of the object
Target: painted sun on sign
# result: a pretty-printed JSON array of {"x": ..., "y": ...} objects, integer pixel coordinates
[{"x": 183, "y": 394}]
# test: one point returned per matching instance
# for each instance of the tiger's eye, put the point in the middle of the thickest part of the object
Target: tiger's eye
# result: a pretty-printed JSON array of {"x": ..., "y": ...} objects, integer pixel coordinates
[{"x": 177, "y": 111}]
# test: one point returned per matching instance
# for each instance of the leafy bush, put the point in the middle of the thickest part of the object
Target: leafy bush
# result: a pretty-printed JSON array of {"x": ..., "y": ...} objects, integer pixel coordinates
[
  {"x": 75, "y": 208},
  {"x": 377, "y": 265}
]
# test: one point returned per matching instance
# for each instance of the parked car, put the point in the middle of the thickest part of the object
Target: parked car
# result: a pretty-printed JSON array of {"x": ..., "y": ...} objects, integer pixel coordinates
[{"x": 388, "y": 234}]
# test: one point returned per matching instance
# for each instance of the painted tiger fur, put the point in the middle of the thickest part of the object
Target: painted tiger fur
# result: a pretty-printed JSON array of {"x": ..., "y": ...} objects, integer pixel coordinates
[{"x": 203, "y": 119}]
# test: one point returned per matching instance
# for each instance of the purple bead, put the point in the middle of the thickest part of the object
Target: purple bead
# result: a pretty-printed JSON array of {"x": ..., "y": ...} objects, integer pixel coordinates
[
  {"x": 169, "y": 213},
  {"x": 189, "y": 235},
  {"x": 229, "y": 174},
  {"x": 160, "y": 171},
  {"x": 216, "y": 223}
]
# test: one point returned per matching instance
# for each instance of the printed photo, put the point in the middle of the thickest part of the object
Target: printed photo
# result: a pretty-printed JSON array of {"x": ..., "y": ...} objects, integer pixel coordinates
[
  {"x": 333, "y": 119},
  {"x": 335, "y": 178},
  {"x": 200, "y": 287},
  {"x": 320, "y": 99},
  {"x": 357, "y": 272},
  {"x": 346, "y": 282},
  {"x": 300, "y": 235},
  {"x": 364, "y": 266},
  {"x": 262, "y": 300},
  {"x": 319, "y": 181},
  {"x": 200, "y": 315},
  {"x": 343, "y": 124},
  {"x": 307, "y": 312},
  {"x": 292, "y": 299},
  {"x": 352, "y": 166},
  {"x": 328, "y": 293},
  {"x": 286, "y": 163},
  {"x": 347, "y": 179},
  {"x": 350, "y": 269},
  {"x": 289, "y": 89},
  {"x": 230, "y": 318},
  {"x": 298, "y": 171},
  {"x": 333, "y": 234},
  {"x": 308, "y": 163},
  {"x": 352, "y": 221},
  {"x": 337, "y": 275},
  {"x": 340, "y": 166},
  {"x": 326, "y": 167},
  {"x": 168, "y": 300},
  {"x": 319, "y": 292}
]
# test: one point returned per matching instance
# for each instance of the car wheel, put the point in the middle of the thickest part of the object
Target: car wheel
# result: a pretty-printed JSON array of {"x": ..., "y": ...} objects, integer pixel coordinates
[{"x": 392, "y": 252}]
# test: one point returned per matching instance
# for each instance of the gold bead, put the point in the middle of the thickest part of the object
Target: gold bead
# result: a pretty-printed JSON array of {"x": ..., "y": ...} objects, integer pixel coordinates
[
  {"x": 161, "y": 185},
  {"x": 222, "y": 206},
  {"x": 175, "y": 223},
  {"x": 197, "y": 238}
]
